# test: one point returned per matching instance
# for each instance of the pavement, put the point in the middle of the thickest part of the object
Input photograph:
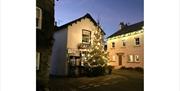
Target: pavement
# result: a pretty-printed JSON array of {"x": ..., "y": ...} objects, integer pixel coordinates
[{"x": 119, "y": 80}]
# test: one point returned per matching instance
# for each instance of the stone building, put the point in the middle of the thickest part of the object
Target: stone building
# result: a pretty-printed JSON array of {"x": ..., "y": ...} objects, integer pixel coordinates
[
  {"x": 72, "y": 41},
  {"x": 44, "y": 32},
  {"x": 126, "y": 46}
]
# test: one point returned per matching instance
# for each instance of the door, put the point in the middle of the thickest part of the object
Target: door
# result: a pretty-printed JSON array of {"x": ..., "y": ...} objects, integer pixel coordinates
[{"x": 120, "y": 59}]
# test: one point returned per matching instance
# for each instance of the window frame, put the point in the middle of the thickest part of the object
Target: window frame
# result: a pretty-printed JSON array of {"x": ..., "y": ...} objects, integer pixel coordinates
[
  {"x": 113, "y": 44},
  {"x": 89, "y": 42},
  {"x": 123, "y": 43},
  {"x": 135, "y": 58},
  {"x": 137, "y": 43},
  {"x": 39, "y": 26},
  {"x": 130, "y": 58},
  {"x": 38, "y": 58}
]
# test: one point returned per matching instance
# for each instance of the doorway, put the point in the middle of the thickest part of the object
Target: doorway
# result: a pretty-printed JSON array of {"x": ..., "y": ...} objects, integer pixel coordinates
[{"x": 120, "y": 59}]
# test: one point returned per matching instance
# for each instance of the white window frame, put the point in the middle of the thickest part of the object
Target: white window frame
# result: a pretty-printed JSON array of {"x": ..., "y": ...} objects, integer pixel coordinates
[
  {"x": 40, "y": 18},
  {"x": 136, "y": 57},
  {"x": 37, "y": 60},
  {"x": 130, "y": 58},
  {"x": 86, "y": 33}
]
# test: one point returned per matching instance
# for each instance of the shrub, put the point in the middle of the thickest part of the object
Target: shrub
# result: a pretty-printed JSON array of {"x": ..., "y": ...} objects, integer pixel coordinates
[
  {"x": 109, "y": 68},
  {"x": 95, "y": 71},
  {"x": 123, "y": 68},
  {"x": 129, "y": 68},
  {"x": 139, "y": 69}
]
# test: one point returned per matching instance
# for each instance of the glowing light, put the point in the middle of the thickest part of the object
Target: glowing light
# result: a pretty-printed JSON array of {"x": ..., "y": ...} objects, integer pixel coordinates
[{"x": 98, "y": 43}]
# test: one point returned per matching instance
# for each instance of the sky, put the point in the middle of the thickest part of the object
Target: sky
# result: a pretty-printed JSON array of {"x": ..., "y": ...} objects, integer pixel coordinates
[{"x": 109, "y": 12}]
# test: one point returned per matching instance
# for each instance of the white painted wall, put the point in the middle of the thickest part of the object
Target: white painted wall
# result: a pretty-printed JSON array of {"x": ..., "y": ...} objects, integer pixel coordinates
[
  {"x": 129, "y": 49},
  {"x": 75, "y": 32},
  {"x": 68, "y": 38}
]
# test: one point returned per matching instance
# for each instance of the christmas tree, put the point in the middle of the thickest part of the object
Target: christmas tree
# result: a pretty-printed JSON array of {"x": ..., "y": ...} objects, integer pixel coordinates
[{"x": 97, "y": 56}]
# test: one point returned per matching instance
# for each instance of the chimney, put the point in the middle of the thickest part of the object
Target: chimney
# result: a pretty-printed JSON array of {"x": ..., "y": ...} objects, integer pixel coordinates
[{"x": 122, "y": 25}]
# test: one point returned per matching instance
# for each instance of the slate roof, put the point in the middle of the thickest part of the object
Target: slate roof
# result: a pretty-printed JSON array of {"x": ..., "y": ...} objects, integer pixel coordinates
[
  {"x": 83, "y": 17},
  {"x": 128, "y": 29}
]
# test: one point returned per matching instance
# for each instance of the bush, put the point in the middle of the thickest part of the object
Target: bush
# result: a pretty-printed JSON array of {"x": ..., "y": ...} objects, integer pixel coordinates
[
  {"x": 95, "y": 71},
  {"x": 129, "y": 68},
  {"x": 123, "y": 68},
  {"x": 139, "y": 69},
  {"x": 109, "y": 68}
]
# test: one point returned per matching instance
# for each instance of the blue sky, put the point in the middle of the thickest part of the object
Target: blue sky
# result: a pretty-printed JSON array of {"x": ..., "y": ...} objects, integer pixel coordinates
[{"x": 109, "y": 12}]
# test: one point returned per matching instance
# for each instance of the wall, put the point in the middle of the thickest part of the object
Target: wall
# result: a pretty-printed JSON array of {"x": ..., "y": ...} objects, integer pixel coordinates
[
  {"x": 130, "y": 49},
  {"x": 68, "y": 38},
  {"x": 58, "y": 61},
  {"x": 75, "y": 32}
]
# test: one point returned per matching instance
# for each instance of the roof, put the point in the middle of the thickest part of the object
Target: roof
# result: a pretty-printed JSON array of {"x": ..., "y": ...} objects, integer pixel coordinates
[
  {"x": 85, "y": 16},
  {"x": 128, "y": 29}
]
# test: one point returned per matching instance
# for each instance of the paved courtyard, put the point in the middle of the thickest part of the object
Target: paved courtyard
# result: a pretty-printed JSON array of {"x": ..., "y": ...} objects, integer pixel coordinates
[{"x": 119, "y": 80}]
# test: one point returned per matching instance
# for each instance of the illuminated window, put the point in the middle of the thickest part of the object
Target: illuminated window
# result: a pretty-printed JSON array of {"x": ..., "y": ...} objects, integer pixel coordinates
[
  {"x": 136, "y": 58},
  {"x": 38, "y": 17},
  {"x": 37, "y": 60},
  {"x": 113, "y": 44},
  {"x": 137, "y": 41},
  {"x": 130, "y": 58},
  {"x": 123, "y": 43},
  {"x": 86, "y": 36}
]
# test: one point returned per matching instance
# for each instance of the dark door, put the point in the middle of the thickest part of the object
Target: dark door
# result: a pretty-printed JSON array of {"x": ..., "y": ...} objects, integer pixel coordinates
[{"x": 120, "y": 59}]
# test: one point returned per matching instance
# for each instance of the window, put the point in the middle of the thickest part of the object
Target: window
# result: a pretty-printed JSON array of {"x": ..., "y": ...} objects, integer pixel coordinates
[
  {"x": 38, "y": 18},
  {"x": 137, "y": 41},
  {"x": 123, "y": 43},
  {"x": 136, "y": 58},
  {"x": 37, "y": 60},
  {"x": 86, "y": 36},
  {"x": 113, "y": 44},
  {"x": 114, "y": 58},
  {"x": 130, "y": 58}
]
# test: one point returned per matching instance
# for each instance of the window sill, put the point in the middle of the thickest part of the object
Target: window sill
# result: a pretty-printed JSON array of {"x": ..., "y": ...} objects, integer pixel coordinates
[
  {"x": 86, "y": 43},
  {"x": 112, "y": 48},
  {"x": 112, "y": 61},
  {"x": 134, "y": 62},
  {"x": 137, "y": 45}
]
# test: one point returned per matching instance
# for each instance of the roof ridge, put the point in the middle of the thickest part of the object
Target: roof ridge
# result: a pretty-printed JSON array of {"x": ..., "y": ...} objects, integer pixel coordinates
[
  {"x": 130, "y": 28},
  {"x": 86, "y": 15}
]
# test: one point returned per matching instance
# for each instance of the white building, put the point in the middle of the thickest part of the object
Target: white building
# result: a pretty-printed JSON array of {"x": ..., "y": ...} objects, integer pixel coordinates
[
  {"x": 72, "y": 40},
  {"x": 126, "y": 46}
]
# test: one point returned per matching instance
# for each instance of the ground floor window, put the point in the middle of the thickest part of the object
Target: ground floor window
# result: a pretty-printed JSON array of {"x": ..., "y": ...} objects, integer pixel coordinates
[
  {"x": 130, "y": 58},
  {"x": 37, "y": 60},
  {"x": 136, "y": 58},
  {"x": 133, "y": 58}
]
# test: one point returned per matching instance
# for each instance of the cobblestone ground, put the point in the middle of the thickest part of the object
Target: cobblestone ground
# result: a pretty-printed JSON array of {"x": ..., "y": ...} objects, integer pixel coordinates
[{"x": 119, "y": 80}]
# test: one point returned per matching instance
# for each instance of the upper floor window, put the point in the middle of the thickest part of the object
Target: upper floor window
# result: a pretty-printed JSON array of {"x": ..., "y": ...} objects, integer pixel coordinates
[
  {"x": 86, "y": 36},
  {"x": 37, "y": 60},
  {"x": 123, "y": 43},
  {"x": 137, "y": 41},
  {"x": 38, "y": 18},
  {"x": 113, "y": 44}
]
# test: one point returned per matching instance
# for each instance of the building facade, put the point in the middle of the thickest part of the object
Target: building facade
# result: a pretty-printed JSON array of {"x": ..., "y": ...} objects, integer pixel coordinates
[
  {"x": 44, "y": 32},
  {"x": 126, "y": 46},
  {"x": 72, "y": 41}
]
